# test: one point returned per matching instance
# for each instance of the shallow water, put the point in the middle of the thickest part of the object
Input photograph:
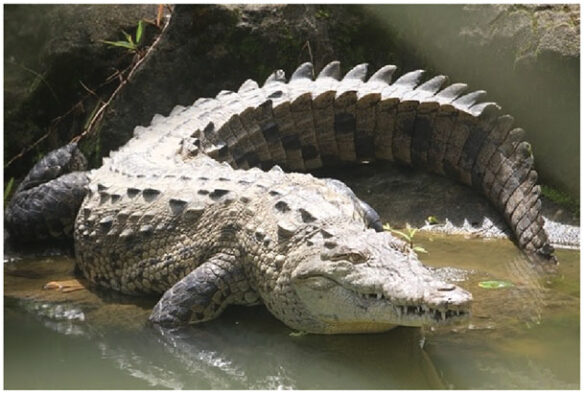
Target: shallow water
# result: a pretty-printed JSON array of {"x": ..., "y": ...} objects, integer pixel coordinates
[{"x": 525, "y": 336}]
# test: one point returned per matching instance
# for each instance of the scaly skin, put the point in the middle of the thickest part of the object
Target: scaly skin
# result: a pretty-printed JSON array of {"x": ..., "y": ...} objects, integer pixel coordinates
[
  {"x": 177, "y": 211},
  {"x": 298, "y": 244}
]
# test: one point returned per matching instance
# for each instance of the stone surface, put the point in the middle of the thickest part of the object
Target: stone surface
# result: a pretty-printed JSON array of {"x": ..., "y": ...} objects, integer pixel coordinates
[
  {"x": 525, "y": 56},
  {"x": 49, "y": 51}
]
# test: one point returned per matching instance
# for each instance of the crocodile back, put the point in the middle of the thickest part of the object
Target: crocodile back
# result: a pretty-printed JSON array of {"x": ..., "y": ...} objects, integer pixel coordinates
[{"x": 306, "y": 123}]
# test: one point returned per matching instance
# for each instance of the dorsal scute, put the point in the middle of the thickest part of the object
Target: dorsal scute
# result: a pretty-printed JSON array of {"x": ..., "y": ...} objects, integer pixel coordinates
[
  {"x": 451, "y": 92},
  {"x": 177, "y": 109},
  {"x": 426, "y": 89},
  {"x": 488, "y": 109},
  {"x": 433, "y": 85},
  {"x": 359, "y": 72},
  {"x": 304, "y": 71},
  {"x": 331, "y": 70},
  {"x": 383, "y": 75},
  {"x": 224, "y": 93},
  {"x": 157, "y": 119},
  {"x": 469, "y": 99},
  {"x": 403, "y": 85},
  {"x": 276, "y": 77},
  {"x": 248, "y": 85},
  {"x": 409, "y": 80}
]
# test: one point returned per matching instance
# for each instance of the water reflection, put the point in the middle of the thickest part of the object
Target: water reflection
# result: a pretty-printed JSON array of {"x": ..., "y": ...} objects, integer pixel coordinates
[
  {"x": 248, "y": 349},
  {"x": 526, "y": 336}
]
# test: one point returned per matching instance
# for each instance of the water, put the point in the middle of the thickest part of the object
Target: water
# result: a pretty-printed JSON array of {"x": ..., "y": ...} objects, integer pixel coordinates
[{"x": 526, "y": 336}]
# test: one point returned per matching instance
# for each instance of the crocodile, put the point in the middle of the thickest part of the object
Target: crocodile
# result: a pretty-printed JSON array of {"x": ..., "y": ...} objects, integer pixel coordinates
[{"x": 196, "y": 206}]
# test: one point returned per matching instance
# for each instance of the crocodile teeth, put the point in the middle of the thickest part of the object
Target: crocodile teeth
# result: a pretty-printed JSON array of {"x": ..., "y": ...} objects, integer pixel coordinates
[
  {"x": 443, "y": 314},
  {"x": 378, "y": 296}
]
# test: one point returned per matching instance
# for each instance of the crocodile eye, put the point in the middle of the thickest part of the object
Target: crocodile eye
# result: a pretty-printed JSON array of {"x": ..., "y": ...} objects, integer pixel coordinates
[{"x": 354, "y": 258}]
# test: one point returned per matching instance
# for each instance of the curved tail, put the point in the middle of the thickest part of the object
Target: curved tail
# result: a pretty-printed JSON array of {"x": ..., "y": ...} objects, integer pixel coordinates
[
  {"x": 305, "y": 123},
  {"x": 45, "y": 204}
]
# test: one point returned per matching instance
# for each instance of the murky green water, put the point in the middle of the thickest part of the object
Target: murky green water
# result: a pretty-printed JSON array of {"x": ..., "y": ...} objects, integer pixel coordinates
[{"x": 526, "y": 336}]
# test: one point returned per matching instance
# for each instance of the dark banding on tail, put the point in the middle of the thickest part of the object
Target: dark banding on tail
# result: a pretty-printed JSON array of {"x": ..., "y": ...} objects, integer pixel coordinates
[
  {"x": 307, "y": 123},
  {"x": 45, "y": 204}
]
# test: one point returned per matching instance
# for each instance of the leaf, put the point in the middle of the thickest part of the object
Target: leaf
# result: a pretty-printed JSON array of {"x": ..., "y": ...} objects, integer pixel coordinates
[
  {"x": 403, "y": 235},
  {"x": 420, "y": 249},
  {"x": 432, "y": 220},
  {"x": 128, "y": 37},
  {"x": 139, "y": 31},
  {"x": 412, "y": 232},
  {"x": 495, "y": 284},
  {"x": 122, "y": 44},
  {"x": 8, "y": 188}
]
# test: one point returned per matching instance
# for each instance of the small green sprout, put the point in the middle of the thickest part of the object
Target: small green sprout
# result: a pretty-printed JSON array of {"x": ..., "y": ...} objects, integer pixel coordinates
[
  {"x": 407, "y": 235},
  {"x": 432, "y": 220},
  {"x": 131, "y": 44},
  {"x": 8, "y": 189}
]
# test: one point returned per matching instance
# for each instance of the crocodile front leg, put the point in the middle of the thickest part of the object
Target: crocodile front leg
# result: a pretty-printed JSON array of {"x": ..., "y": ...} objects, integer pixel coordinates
[{"x": 204, "y": 293}]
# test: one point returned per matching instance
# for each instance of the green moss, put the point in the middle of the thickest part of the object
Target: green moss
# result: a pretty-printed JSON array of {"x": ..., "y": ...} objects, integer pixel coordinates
[
  {"x": 8, "y": 189},
  {"x": 561, "y": 198},
  {"x": 322, "y": 13}
]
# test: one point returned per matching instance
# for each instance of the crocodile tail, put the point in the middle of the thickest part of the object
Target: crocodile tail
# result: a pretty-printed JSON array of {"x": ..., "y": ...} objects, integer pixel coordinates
[
  {"x": 45, "y": 204},
  {"x": 306, "y": 123}
]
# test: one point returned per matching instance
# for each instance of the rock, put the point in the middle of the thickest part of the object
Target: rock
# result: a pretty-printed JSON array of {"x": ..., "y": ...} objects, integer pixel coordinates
[
  {"x": 529, "y": 30},
  {"x": 49, "y": 51},
  {"x": 543, "y": 64},
  {"x": 525, "y": 56}
]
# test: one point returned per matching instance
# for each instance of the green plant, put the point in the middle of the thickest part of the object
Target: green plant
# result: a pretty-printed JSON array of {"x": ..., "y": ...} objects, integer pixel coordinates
[
  {"x": 561, "y": 198},
  {"x": 8, "y": 189},
  {"x": 322, "y": 14},
  {"x": 408, "y": 236},
  {"x": 433, "y": 220},
  {"x": 131, "y": 44}
]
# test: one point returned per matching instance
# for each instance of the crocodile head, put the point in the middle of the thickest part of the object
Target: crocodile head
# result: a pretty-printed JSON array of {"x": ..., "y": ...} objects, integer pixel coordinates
[{"x": 366, "y": 281}]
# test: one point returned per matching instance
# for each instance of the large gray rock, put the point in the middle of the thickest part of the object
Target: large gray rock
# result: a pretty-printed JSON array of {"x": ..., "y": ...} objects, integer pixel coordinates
[
  {"x": 525, "y": 56},
  {"x": 49, "y": 50}
]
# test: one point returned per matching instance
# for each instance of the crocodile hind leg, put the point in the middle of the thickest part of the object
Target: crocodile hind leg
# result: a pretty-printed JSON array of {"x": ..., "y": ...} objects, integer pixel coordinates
[
  {"x": 46, "y": 202},
  {"x": 204, "y": 293}
]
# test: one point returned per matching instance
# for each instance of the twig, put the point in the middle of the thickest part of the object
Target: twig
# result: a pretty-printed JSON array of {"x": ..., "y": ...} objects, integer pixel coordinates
[
  {"x": 123, "y": 81},
  {"x": 52, "y": 127},
  {"x": 31, "y": 147},
  {"x": 308, "y": 46},
  {"x": 159, "y": 14},
  {"x": 90, "y": 91},
  {"x": 97, "y": 114}
]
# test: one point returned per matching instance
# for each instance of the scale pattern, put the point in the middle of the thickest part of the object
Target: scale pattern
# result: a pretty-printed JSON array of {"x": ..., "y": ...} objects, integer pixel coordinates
[
  {"x": 304, "y": 124},
  {"x": 197, "y": 208}
]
